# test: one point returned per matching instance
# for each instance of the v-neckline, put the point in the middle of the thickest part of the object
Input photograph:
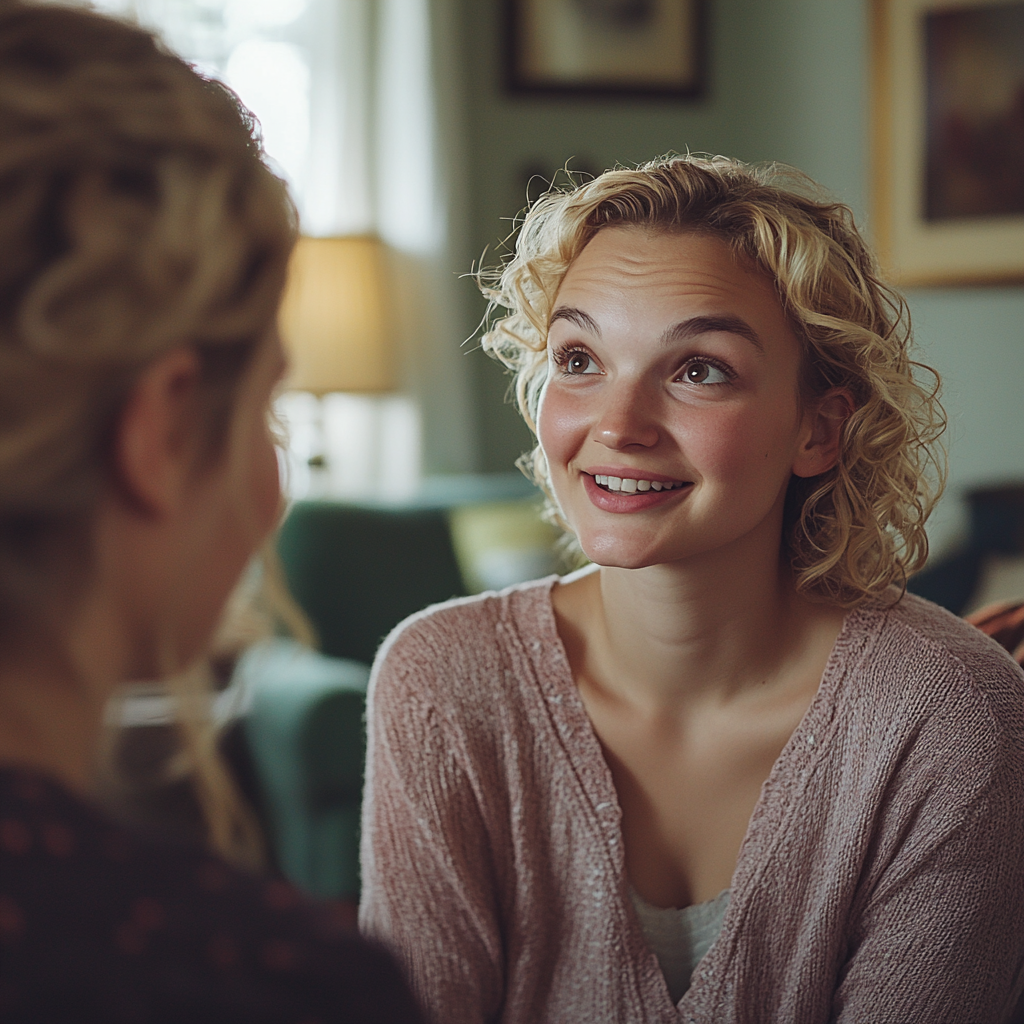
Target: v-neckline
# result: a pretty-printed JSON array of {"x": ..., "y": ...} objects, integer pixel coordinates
[{"x": 806, "y": 744}]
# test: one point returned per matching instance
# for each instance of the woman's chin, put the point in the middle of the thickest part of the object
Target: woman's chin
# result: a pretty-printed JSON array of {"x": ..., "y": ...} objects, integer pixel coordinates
[{"x": 620, "y": 556}]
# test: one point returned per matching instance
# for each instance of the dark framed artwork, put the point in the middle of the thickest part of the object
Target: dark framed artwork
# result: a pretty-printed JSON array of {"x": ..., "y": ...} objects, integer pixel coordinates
[
  {"x": 948, "y": 146},
  {"x": 605, "y": 47}
]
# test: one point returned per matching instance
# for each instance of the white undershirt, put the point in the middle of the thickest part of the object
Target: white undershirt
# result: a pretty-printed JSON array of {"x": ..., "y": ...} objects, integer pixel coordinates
[{"x": 680, "y": 938}]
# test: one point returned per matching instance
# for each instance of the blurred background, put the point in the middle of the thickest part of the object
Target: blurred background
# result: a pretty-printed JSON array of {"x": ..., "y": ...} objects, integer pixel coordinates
[{"x": 411, "y": 133}]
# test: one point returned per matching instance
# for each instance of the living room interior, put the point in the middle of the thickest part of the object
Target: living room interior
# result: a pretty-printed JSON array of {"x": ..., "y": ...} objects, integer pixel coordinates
[{"x": 433, "y": 152}]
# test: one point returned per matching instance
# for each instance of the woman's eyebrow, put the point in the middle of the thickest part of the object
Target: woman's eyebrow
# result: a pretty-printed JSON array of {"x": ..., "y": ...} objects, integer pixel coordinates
[
  {"x": 576, "y": 316},
  {"x": 713, "y": 324}
]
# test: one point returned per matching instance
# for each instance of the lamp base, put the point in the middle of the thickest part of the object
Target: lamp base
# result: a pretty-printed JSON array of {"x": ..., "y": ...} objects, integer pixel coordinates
[{"x": 346, "y": 446}]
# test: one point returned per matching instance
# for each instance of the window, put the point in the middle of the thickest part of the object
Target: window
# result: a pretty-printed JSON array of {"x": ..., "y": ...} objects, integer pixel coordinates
[{"x": 301, "y": 67}]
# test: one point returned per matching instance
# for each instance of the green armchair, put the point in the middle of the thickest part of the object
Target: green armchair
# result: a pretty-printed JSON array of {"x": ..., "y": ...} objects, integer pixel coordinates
[{"x": 357, "y": 570}]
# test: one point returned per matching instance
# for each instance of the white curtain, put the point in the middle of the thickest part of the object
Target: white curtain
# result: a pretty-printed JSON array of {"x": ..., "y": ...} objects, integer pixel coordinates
[
  {"x": 421, "y": 211},
  {"x": 302, "y": 66}
]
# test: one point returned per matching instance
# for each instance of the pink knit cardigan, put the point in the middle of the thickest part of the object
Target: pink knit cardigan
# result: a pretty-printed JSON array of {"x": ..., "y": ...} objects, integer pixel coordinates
[{"x": 881, "y": 878}]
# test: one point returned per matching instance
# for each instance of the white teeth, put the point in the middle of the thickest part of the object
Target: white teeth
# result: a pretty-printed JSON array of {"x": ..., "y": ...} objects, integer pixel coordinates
[{"x": 628, "y": 485}]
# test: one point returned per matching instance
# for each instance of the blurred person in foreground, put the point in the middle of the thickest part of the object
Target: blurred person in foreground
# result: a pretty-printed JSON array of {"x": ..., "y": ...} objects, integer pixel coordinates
[{"x": 143, "y": 249}]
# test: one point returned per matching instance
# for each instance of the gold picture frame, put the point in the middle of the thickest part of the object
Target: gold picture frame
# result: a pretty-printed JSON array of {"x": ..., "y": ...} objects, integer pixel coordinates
[
  {"x": 947, "y": 196},
  {"x": 641, "y": 49}
]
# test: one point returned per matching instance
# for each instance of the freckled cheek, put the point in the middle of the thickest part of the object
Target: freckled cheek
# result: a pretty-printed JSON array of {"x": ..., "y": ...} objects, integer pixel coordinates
[
  {"x": 733, "y": 444},
  {"x": 562, "y": 426}
]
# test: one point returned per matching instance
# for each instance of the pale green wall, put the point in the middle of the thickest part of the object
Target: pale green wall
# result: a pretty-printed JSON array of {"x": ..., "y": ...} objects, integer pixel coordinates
[
  {"x": 789, "y": 82},
  {"x": 975, "y": 339}
]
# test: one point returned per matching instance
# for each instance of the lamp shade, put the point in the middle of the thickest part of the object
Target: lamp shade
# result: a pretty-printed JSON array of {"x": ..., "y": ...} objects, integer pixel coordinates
[{"x": 334, "y": 319}]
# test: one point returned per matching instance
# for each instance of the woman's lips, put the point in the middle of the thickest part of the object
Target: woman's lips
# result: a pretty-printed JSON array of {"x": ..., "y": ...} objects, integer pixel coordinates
[{"x": 636, "y": 501}]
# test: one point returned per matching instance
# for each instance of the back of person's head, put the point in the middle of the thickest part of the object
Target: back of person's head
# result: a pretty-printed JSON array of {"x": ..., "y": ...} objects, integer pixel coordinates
[
  {"x": 856, "y": 529},
  {"x": 136, "y": 215}
]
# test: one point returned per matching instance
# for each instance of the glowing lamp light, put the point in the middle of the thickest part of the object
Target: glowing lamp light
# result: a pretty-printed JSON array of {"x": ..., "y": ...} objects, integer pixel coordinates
[{"x": 334, "y": 317}]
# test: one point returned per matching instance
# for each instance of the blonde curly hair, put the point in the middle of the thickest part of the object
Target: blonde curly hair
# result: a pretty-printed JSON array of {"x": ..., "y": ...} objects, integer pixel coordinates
[
  {"x": 136, "y": 215},
  {"x": 855, "y": 530}
]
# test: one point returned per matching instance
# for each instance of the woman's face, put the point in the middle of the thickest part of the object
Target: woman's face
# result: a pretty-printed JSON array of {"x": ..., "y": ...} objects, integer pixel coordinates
[
  {"x": 671, "y": 419},
  {"x": 236, "y": 502}
]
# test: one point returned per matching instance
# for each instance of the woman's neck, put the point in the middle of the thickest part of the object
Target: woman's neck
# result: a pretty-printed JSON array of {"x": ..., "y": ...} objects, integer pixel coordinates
[
  {"x": 53, "y": 696},
  {"x": 704, "y": 629}
]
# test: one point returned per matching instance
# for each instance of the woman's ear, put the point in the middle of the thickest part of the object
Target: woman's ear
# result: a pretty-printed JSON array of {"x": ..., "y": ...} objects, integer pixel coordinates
[
  {"x": 154, "y": 449},
  {"x": 823, "y": 429}
]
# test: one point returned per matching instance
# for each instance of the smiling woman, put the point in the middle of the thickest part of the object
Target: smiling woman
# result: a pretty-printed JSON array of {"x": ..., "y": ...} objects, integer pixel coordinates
[
  {"x": 731, "y": 771},
  {"x": 855, "y": 530}
]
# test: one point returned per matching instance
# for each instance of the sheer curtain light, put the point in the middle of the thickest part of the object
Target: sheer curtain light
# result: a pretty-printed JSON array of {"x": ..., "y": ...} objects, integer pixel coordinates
[{"x": 301, "y": 67}]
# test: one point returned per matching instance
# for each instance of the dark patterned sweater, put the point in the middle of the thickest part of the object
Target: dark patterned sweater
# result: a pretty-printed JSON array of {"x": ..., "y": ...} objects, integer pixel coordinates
[{"x": 99, "y": 924}]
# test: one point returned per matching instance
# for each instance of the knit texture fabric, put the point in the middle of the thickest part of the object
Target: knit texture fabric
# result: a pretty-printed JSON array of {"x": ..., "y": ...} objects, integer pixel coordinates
[{"x": 881, "y": 878}]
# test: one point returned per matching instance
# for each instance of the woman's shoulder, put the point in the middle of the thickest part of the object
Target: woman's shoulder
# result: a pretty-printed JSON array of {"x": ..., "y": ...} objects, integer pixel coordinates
[
  {"x": 919, "y": 661},
  {"x": 922, "y": 636},
  {"x": 467, "y": 634},
  {"x": 457, "y": 653}
]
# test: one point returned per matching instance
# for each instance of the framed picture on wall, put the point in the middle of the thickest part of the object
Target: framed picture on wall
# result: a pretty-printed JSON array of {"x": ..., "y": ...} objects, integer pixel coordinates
[
  {"x": 605, "y": 47},
  {"x": 948, "y": 140}
]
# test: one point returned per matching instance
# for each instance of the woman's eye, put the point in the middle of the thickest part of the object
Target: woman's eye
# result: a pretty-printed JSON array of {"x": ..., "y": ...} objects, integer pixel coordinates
[
  {"x": 698, "y": 372},
  {"x": 580, "y": 362}
]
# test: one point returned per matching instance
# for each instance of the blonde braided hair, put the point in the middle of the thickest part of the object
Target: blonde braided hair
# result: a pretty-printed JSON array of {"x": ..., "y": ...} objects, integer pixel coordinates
[{"x": 136, "y": 215}]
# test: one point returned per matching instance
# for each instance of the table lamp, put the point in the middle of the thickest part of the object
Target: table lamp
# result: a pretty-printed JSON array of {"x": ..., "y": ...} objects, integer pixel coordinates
[
  {"x": 334, "y": 320},
  {"x": 336, "y": 329}
]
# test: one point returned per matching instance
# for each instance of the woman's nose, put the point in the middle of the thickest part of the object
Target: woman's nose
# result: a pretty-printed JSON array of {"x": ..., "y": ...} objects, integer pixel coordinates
[{"x": 628, "y": 418}]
